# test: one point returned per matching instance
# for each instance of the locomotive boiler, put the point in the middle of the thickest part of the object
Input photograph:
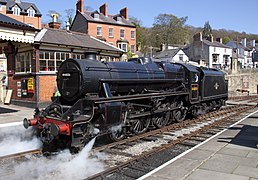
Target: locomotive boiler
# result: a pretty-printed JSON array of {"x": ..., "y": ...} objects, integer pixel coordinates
[{"x": 121, "y": 98}]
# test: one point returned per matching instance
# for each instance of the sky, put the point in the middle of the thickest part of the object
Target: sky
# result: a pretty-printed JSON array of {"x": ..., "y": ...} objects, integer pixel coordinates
[{"x": 236, "y": 15}]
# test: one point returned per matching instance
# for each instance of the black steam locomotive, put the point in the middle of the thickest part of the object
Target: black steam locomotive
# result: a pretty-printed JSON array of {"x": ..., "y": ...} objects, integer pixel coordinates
[{"x": 121, "y": 98}]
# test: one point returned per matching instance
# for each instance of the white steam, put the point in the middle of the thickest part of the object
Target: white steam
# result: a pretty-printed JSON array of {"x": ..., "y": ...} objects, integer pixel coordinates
[
  {"x": 63, "y": 166},
  {"x": 16, "y": 139}
]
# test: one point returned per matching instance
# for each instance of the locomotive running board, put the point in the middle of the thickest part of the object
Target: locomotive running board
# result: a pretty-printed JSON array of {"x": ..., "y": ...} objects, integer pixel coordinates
[{"x": 135, "y": 97}]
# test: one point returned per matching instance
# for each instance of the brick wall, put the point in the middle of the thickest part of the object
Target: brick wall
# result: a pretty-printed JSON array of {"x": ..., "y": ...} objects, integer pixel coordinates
[
  {"x": 92, "y": 30},
  {"x": 47, "y": 87},
  {"x": 12, "y": 84},
  {"x": 35, "y": 21},
  {"x": 46, "y": 84}
]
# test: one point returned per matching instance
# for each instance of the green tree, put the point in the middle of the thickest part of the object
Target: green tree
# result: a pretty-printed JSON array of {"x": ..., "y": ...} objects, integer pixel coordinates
[
  {"x": 142, "y": 34},
  {"x": 207, "y": 30},
  {"x": 69, "y": 16},
  {"x": 169, "y": 29},
  {"x": 225, "y": 40}
]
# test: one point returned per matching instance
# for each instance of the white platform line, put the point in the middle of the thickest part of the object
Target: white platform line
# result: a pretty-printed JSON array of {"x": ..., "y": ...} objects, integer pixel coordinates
[
  {"x": 189, "y": 150},
  {"x": 11, "y": 124}
]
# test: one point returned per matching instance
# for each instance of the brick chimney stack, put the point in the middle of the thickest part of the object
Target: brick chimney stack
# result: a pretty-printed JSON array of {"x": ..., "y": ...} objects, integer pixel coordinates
[
  {"x": 80, "y": 6},
  {"x": 124, "y": 13},
  {"x": 54, "y": 24},
  {"x": 104, "y": 9}
]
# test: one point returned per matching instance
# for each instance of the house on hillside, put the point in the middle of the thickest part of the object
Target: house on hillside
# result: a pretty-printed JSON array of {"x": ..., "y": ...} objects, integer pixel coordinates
[
  {"x": 116, "y": 29},
  {"x": 172, "y": 55},
  {"x": 243, "y": 52},
  {"x": 25, "y": 12},
  {"x": 212, "y": 54}
]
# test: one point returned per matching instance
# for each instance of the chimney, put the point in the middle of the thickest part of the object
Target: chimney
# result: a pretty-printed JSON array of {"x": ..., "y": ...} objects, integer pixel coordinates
[
  {"x": 210, "y": 38},
  {"x": 104, "y": 9},
  {"x": 80, "y": 6},
  {"x": 197, "y": 37},
  {"x": 244, "y": 42},
  {"x": 219, "y": 40},
  {"x": 54, "y": 24},
  {"x": 124, "y": 13},
  {"x": 252, "y": 43}
]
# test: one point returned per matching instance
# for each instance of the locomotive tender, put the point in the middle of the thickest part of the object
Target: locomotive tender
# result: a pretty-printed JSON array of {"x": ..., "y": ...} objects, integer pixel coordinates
[{"x": 121, "y": 98}]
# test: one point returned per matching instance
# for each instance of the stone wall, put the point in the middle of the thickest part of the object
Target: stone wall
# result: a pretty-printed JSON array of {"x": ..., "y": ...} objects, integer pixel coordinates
[{"x": 242, "y": 81}]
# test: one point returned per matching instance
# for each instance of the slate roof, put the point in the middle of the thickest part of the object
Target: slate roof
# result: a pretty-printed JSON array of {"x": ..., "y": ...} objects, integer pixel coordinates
[
  {"x": 110, "y": 19},
  {"x": 233, "y": 44},
  {"x": 215, "y": 44},
  {"x": 74, "y": 39},
  {"x": 7, "y": 21},
  {"x": 23, "y": 5},
  {"x": 3, "y": 1},
  {"x": 168, "y": 53}
]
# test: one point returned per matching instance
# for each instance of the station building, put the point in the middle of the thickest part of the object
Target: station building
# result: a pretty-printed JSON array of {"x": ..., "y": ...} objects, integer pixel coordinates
[{"x": 33, "y": 58}]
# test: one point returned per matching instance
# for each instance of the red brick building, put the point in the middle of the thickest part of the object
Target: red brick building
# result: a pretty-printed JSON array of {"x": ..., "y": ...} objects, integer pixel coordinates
[
  {"x": 32, "y": 67},
  {"x": 114, "y": 29},
  {"x": 27, "y": 13}
]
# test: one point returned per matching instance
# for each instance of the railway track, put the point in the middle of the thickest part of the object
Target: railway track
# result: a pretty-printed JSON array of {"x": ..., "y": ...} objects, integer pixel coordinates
[
  {"x": 131, "y": 157},
  {"x": 21, "y": 154},
  {"x": 125, "y": 163}
]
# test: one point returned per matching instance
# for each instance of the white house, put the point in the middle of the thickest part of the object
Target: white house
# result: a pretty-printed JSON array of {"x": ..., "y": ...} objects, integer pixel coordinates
[
  {"x": 212, "y": 54},
  {"x": 243, "y": 52},
  {"x": 172, "y": 55}
]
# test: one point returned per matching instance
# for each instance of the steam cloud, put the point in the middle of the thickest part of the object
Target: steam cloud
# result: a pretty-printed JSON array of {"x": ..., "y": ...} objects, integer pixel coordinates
[
  {"x": 16, "y": 139},
  {"x": 63, "y": 166}
]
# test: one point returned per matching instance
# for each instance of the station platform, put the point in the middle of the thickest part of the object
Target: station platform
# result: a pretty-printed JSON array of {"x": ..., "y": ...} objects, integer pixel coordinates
[
  {"x": 230, "y": 155},
  {"x": 13, "y": 115}
]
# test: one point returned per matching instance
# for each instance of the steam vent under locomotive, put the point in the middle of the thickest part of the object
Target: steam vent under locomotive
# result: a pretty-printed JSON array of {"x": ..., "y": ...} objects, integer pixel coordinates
[{"x": 122, "y": 98}]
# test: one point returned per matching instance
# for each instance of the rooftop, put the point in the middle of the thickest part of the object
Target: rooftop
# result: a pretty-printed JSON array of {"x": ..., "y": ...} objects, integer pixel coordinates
[{"x": 74, "y": 39}]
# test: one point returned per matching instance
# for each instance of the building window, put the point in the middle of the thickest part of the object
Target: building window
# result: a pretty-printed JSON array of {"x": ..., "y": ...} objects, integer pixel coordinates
[
  {"x": 132, "y": 34},
  {"x": 122, "y": 33},
  {"x": 132, "y": 48},
  {"x": 119, "y": 19},
  {"x": 16, "y": 10},
  {"x": 99, "y": 29},
  {"x": 78, "y": 56},
  {"x": 215, "y": 58},
  {"x": 181, "y": 57},
  {"x": 50, "y": 60},
  {"x": 123, "y": 46},
  {"x": 96, "y": 16},
  {"x": 111, "y": 32},
  {"x": 31, "y": 12},
  {"x": 23, "y": 62}
]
